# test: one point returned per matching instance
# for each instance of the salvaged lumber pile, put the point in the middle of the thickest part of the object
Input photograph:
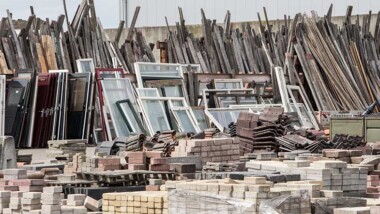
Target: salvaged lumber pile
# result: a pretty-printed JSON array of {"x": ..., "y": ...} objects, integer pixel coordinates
[
  {"x": 223, "y": 49},
  {"x": 53, "y": 68},
  {"x": 339, "y": 62}
]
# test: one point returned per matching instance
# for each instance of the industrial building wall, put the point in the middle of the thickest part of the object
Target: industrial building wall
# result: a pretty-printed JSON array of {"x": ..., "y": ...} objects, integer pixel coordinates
[{"x": 153, "y": 12}]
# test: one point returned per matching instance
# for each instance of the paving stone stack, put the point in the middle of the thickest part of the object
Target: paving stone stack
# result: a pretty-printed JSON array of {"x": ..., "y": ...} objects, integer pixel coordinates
[
  {"x": 76, "y": 166},
  {"x": 15, "y": 202},
  {"x": 136, "y": 202},
  {"x": 31, "y": 202},
  {"x": 335, "y": 175},
  {"x": 373, "y": 185},
  {"x": 223, "y": 167},
  {"x": 5, "y": 198},
  {"x": 51, "y": 199},
  {"x": 327, "y": 205},
  {"x": 348, "y": 156},
  {"x": 66, "y": 149},
  {"x": 224, "y": 150},
  {"x": 251, "y": 192},
  {"x": 358, "y": 210},
  {"x": 28, "y": 185},
  {"x": 100, "y": 164},
  {"x": 74, "y": 204}
]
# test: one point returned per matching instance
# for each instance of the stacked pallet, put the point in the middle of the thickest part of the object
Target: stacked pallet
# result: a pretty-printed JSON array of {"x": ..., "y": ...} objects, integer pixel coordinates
[
  {"x": 66, "y": 149},
  {"x": 222, "y": 150},
  {"x": 136, "y": 202},
  {"x": 335, "y": 175}
]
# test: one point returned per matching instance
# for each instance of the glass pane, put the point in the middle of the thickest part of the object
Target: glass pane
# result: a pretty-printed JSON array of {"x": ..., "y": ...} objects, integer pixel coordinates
[
  {"x": 201, "y": 118},
  {"x": 172, "y": 91},
  {"x": 156, "y": 114},
  {"x": 184, "y": 121},
  {"x": 148, "y": 92},
  {"x": 224, "y": 118},
  {"x": 116, "y": 90},
  {"x": 132, "y": 120},
  {"x": 228, "y": 85}
]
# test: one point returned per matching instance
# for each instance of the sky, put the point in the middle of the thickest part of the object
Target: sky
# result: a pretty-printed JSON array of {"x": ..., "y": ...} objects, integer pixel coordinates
[{"x": 107, "y": 10}]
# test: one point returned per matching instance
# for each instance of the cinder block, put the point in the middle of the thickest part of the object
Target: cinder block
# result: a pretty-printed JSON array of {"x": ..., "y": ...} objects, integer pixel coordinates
[{"x": 91, "y": 204}]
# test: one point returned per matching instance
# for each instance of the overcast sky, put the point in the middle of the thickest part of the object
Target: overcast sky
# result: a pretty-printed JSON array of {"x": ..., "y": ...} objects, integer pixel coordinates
[{"x": 107, "y": 10}]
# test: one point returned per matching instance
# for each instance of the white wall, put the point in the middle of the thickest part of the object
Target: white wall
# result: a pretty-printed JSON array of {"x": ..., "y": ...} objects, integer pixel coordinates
[{"x": 153, "y": 12}]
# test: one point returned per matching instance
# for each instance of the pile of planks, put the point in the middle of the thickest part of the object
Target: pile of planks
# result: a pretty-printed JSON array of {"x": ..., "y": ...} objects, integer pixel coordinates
[
  {"x": 223, "y": 49},
  {"x": 340, "y": 63}
]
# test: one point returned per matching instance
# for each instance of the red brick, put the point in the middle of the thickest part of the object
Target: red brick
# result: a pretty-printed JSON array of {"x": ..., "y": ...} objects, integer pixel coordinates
[
  {"x": 152, "y": 188},
  {"x": 136, "y": 167},
  {"x": 372, "y": 190}
]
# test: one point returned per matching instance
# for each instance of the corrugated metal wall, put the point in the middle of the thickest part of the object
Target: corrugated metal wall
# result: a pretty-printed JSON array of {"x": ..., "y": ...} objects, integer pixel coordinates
[{"x": 153, "y": 12}]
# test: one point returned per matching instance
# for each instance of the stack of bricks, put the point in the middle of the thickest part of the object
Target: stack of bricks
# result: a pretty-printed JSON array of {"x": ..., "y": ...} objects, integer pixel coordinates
[
  {"x": 15, "y": 203},
  {"x": 98, "y": 164},
  {"x": 66, "y": 148},
  {"x": 136, "y": 160},
  {"x": 5, "y": 198},
  {"x": 373, "y": 185},
  {"x": 348, "y": 156},
  {"x": 135, "y": 202},
  {"x": 224, "y": 150},
  {"x": 11, "y": 175},
  {"x": 31, "y": 202},
  {"x": 74, "y": 204},
  {"x": 51, "y": 200},
  {"x": 253, "y": 190},
  {"x": 28, "y": 185},
  {"x": 358, "y": 210},
  {"x": 149, "y": 160},
  {"x": 335, "y": 175},
  {"x": 328, "y": 205}
]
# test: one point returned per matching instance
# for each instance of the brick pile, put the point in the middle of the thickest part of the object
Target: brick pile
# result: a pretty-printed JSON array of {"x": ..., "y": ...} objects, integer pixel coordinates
[
  {"x": 335, "y": 175},
  {"x": 224, "y": 150},
  {"x": 348, "y": 156},
  {"x": 75, "y": 166},
  {"x": 51, "y": 199},
  {"x": 253, "y": 190},
  {"x": 15, "y": 203},
  {"x": 5, "y": 198},
  {"x": 135, "y": 202},
  {"x": 96, "y": 164},
  {"x": 31, "y": 202},
  {"x": 74, "y": 204}
]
